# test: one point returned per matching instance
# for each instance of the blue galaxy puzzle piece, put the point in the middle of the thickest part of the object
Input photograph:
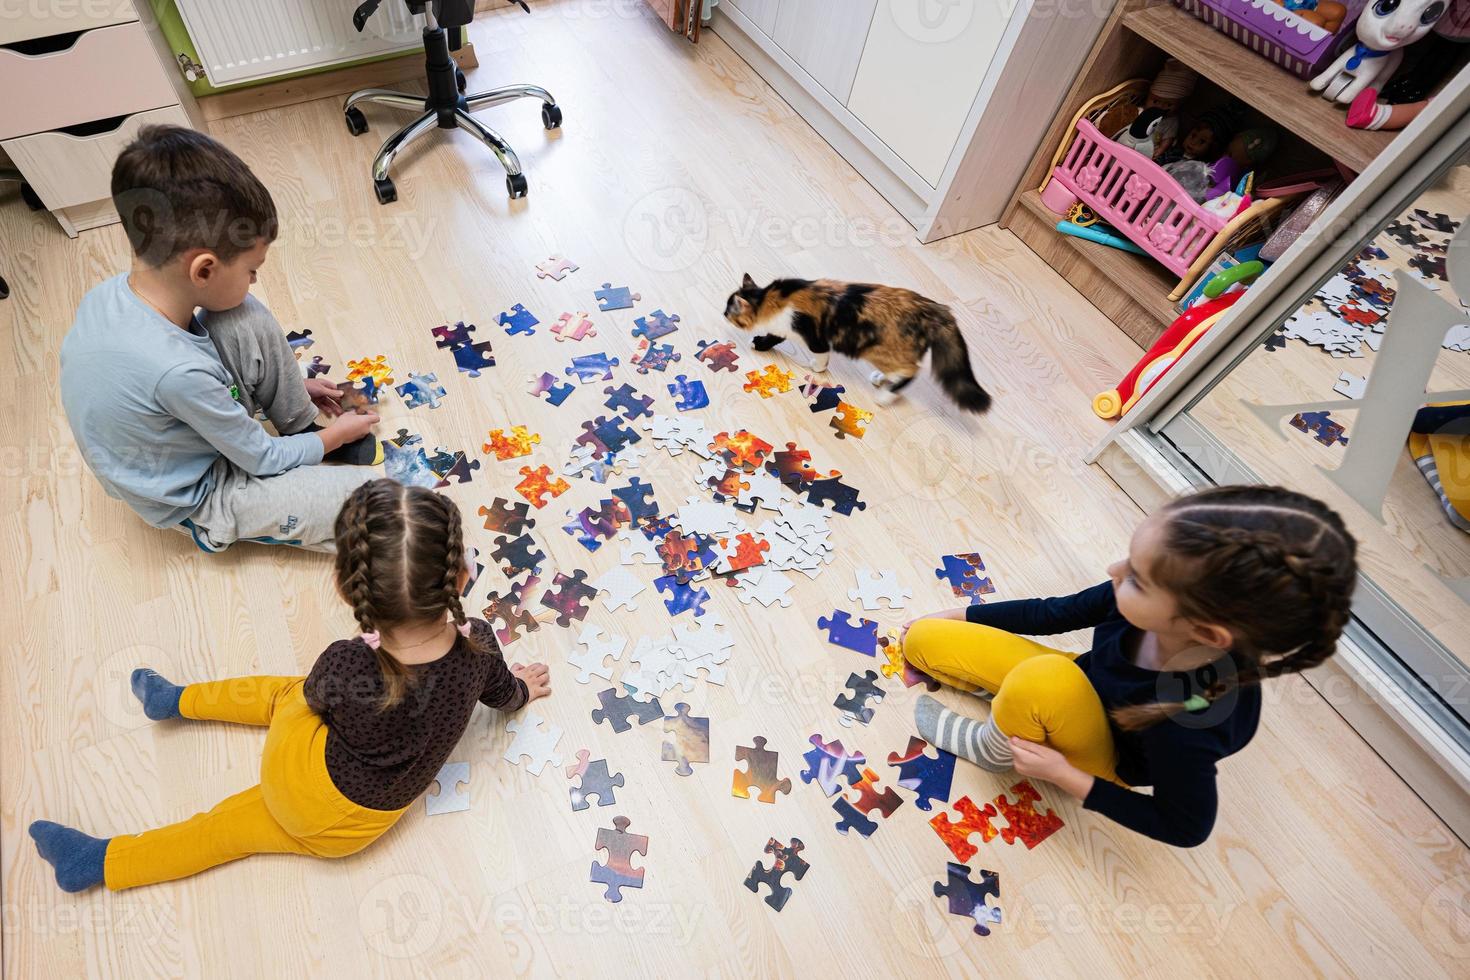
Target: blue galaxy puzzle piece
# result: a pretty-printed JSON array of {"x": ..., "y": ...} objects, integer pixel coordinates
[
  {"x": 682, "y": 598},
  {"x": 420, "y": 390},
  {"x": 688, "y": 395},
  {"x": 452, "y": 337},
  {"x": 473, "y": 358},
  {"x": 928, "y": 777},
  {"x": 625, "y": 399},
  {"x": 611, "y": 297},
  {"x": 518, "y": 320},
  {"x": 861, "y": 636},
  {"x": 588, "y": 368},
  {"x": 852, "y": 819},
  {"x": 637, "y": 496},
  {"x": 655, "y": 325},
  {"x": 546, "y": 384}
]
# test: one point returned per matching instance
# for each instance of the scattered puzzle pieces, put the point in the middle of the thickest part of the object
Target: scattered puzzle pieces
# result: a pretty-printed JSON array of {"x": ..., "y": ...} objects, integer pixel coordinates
[
  {"x": 535, "y": 741},
  {"x": 592, "y": 662},
  {"x": 850, "y": 421},
  {"x": 519, "y": 443},
  {"x": 688, "y": 395},
  {"x": 449, "y": 798},
  {"x": 860, "y": 637},
  {"x": 448, "y": 337},
  {"x": 611, "y": 297},
  {"x": 420, "y": 390},
  {"x": 967, "y": 898},
  {"x": 518, "y": 320},
  {"x": 546, "y": 384},
  {"x": 719, "y": 357},
  {"x": 657, "y": 324},
  {"x": 690, "y": 741},
  {"x": 765, "y": 585},
  {"x": 768, "y": 382},
  {"x": 510, "y": 611},
  {"x": 574, "y": 326},
  {"x": 537, "y": 484},
  {"x": 512, "y": 519},
  {"x": 760, "y": 772},
  {"x": 620, "y": 587},
  {"x": 597, "y": 782},
  {"x": 618, "y": 873},
  {"x": 854, "y": 706},
  {"x": 785, "y": 859},
  {"x": 557, "y": 267}
]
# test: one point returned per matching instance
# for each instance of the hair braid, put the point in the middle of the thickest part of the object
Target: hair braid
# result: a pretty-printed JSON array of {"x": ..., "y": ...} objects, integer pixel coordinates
[{"x": 1275, "y": 567}]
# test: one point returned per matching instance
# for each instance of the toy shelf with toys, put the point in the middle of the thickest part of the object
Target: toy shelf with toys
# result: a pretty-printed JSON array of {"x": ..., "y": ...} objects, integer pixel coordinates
[{"x": 1182, "y": 139}]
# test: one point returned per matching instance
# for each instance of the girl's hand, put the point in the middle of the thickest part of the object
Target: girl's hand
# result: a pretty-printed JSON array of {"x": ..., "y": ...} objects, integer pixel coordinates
[
  {"x": 325, "y": 396},
  {"x": 1039, "y": 761},
  {"x": 537, "y": 678}
]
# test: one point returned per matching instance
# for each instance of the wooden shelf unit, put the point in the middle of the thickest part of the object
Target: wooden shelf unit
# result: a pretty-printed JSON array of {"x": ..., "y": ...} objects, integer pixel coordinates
[{"x": 1132, "y": 289}]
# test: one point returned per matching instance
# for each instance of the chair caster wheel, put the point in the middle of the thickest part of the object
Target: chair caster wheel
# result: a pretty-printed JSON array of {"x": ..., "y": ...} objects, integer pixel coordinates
[
  {"x": 460, "y": 82},
  {"x": 385, "y": 190},
  {"x": 551, "y": 116},
  {"x": 356, "y": 121},
  {"x": 515, "y": 185},
  {"x": 32, "y": 199}
]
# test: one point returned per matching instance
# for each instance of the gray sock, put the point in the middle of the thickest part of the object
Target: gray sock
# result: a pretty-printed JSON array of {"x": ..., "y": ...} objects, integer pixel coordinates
[{"x": 969, "y": 738}]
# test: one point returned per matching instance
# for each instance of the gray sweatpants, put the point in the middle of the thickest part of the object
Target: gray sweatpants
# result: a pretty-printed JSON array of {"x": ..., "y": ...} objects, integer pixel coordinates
[{"x": 298, "y": 507}]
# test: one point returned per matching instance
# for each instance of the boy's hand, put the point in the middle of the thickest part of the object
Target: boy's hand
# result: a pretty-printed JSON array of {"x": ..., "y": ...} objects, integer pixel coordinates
[
  {"x": 325, "y": 396},
  {"x": 537, "y": 678},
  {"x": 347, "y": 428}
]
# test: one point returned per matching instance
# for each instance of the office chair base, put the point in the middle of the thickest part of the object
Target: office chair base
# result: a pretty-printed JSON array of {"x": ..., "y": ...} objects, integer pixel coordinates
[{"x": 446, "y": 117}]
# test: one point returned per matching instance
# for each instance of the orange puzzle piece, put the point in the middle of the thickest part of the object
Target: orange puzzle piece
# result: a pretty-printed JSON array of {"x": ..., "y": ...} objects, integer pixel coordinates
[
  {"x": 517, "y": 444},
  {"x": 1027, "y": 824},
  {"x": 850, "y": 421},
  {"x": 957, "y": 834},
  {"x": 370, "y": 367},
  {"x": 742, "y": 450},
  {"x": 771, "y": 381},
  {"x": 536, "y": 485}
]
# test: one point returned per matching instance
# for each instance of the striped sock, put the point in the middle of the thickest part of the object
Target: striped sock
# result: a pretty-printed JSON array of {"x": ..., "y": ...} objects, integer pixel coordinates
[{"x": 980, "y": 742}]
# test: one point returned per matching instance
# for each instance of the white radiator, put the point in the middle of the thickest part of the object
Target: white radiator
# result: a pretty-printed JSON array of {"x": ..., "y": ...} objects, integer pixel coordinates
[{"x": 260, "y": 39}]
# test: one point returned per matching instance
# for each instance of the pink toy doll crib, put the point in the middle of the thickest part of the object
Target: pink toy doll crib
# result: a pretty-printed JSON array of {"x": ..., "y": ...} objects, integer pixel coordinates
[{"x": 1135, "y": 195}]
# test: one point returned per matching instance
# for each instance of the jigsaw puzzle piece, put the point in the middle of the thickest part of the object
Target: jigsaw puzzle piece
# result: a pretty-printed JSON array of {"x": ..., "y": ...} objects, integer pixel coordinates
[
  {"x": 786, "y": 859},
  {"x": 618, "y": 708},
  {"x": 928, "y": 777},
  {"x": 967, "y": 897},
  {"x": 688, "y": 395},
  {"x": 690, "y": 741},
  {"x": 719, "y": 357},
  {"x": 535, "y": 741},
  {"x": 556, "y": 267},
  {"x": 759, "y": 773},
  {"x": 860, "y": 637},
  {"x": 850, "y": 421},
  {"x": 828, "y": 763},
  {"x": 972, "y": 820},
  {"x": 618, "y": 873},
  {"x": 611, "y": 297},
  {"x": 657, "y": 324},
  {"x": 571, "y": 597},
  {"x": 537, "y": 484},
  {"x": 854, "y": 706},
  {"x": 1024, "y": 822},
  {"x": 546, "y": 384},
  {"x": 597, "y": 782},
  {"x": 518, "y": 320},
  {"x": 449, "y": 798}
]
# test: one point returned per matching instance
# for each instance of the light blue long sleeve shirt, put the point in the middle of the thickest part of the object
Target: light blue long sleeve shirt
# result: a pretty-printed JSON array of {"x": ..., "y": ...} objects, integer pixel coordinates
[{"x": 152, "y": 408}]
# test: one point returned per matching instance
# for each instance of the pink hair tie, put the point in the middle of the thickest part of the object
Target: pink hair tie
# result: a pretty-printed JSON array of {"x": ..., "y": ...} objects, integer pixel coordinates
[
  {"x": 464, "y": 628},
  {"x": 371, "y": 639}
]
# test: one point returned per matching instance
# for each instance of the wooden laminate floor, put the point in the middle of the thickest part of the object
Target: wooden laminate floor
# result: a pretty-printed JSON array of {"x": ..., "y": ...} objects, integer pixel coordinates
[{"x": 678, "y": 170}]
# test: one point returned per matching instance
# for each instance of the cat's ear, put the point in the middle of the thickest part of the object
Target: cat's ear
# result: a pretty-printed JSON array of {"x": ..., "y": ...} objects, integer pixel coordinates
[{"x": 747, "y": 282}]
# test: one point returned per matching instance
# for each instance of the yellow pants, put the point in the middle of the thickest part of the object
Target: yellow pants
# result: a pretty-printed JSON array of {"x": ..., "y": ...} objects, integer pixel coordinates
[
  {"x": 1040, "y": 694},
  {"x": 295, "y": 809}
]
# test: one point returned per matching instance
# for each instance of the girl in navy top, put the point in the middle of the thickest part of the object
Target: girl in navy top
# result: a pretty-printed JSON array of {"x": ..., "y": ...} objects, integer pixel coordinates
[{"x": 1220, "y": 591}]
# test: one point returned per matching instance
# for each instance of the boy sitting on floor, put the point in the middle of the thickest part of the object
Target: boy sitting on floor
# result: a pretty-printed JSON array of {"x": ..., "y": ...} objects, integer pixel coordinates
[{"x": 162, "y": 399}]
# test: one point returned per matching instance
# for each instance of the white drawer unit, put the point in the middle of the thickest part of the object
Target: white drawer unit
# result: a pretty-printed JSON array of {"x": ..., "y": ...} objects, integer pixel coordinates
[
  {"x": 25, "y": 20},
  {"x": 66, "y": 170},
  {"x": 80, "y": 78},
  {"x": 939, "y": 104}
]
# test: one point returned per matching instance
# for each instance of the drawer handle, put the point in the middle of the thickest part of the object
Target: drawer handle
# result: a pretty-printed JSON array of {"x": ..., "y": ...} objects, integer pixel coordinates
[{"x": 38, "y": 46}]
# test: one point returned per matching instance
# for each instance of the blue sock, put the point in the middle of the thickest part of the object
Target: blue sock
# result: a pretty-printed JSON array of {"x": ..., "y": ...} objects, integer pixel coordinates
[
  {"x": 160, "y": 698},
  {"x": 77, "y": 858}
]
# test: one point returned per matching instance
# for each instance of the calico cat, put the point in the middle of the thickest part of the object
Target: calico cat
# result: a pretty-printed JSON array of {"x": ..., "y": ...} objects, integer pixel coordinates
[{"x": 886, "y": 326}]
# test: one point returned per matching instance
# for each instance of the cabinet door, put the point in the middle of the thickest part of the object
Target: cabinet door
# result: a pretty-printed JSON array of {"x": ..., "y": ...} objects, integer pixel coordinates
[
  {"x": 761, "y": 13},
  {"x": 825, "y": 38},
  {"x": 921, "y": 69}
]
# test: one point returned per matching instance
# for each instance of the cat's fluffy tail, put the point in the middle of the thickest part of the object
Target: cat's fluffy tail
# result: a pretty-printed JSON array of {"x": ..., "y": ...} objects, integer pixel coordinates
[{"x": 952, "y": 368}]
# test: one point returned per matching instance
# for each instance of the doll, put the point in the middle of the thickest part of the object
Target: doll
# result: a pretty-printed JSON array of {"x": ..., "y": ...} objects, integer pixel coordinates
[
  {"x": 1384, "y": 29},
  {"x": 1171, "y": 86},
  {"x": 1248, "y": 149}
]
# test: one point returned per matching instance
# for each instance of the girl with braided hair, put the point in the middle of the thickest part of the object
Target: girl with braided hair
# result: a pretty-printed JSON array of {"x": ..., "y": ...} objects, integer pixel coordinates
[
  {"x": 354, "y": 743},
  {"x": 1220, "y": 591}
]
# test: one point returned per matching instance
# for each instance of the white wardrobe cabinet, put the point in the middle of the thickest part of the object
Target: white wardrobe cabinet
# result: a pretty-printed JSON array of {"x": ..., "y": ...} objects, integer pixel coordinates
[{"x": 939, "y": 104}]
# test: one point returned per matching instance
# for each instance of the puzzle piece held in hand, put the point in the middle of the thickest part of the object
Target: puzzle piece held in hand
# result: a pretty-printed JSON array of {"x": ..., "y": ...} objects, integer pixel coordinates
[
  {"x": 760, "y": 772},
  {"x": 967, "y": 898},
  {"x": 689, "y": 742},
  {"x": 518, "y": 319},
  {"x": 618, "y": 873},
  {"x": 535, "y": 741},
  {"x": 449, "y": 799},
  {"x": 785, "y": 858},
  {"x": 557, "y": 267},
  {"x": 611, "y": 297}
]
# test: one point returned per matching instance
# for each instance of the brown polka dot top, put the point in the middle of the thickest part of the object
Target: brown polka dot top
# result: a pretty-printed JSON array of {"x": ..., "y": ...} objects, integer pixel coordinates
[{"x": 383, "y": 758}]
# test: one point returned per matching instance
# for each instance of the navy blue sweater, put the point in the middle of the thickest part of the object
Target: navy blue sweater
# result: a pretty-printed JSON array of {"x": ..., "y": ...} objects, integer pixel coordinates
[{"x": 1176, "y": 757}]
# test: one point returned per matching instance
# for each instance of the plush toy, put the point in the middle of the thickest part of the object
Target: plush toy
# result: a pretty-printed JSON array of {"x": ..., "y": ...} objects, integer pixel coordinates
[
  {"x": 1139, "y": 135},
  {"x": 1384, "y": 29},
  {"x": 1425, "y": 68}
]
